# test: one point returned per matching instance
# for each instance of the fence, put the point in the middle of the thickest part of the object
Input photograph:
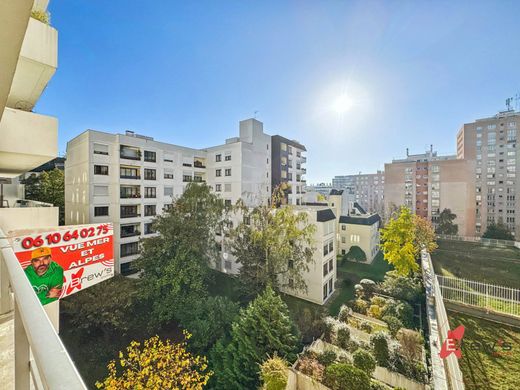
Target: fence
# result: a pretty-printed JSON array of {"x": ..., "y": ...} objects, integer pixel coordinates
[
  {"x": 480, "y": 240},
  {"x": 500, "y": 299}
]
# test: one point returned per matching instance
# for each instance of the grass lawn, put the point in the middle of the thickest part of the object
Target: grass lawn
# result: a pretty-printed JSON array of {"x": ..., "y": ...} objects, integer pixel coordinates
[
  {"x": 484, "y": 366},
  {"x": 478, "y": 262},
  {"x": 350, "y": 273}
]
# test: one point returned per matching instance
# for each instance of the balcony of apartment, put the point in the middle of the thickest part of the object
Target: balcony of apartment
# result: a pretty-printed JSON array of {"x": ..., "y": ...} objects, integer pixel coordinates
[
  {"x": 129, "y": 212},
  {"x": 27, "y": 141},
  {"x": 129, "y": 192},
  {"x": 199, "y": 163},
  {"x": 129, "y": 172},
  {"x": 303, "y": 159},
  {"x": 130, "y": 230},
  {"x": 130, "y": 153},
  {"x": 199, "y": 178},
  {"x": 36, "y": 65}
]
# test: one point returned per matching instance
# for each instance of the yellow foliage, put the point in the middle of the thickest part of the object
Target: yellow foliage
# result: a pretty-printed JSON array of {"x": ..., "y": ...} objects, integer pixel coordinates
[{"x": 157, "y": 365}]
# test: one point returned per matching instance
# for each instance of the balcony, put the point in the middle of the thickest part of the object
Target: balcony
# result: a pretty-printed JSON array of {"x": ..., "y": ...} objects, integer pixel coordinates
[
  {"x": 304, "y": 159},
  {"x": 130, "y": 153},
  {"x": 130, "y": 231},
  {"x": 130, "y": 215},
  {"x": 36, "y": 65},
  {"x": 27, "y": 141},
  {"x": 135, "y": 177},
  {"x": 130, "y": 192},
  {"x": 187, "y": 164},
  {"x": 199, "y": 163}
]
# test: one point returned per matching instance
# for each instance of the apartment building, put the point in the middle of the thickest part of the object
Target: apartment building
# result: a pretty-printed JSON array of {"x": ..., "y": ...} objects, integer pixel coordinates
[
  {"x": 368, "y": 189},
  {"x": 491, "y": 146},
  {"x": 428, "y": 183},
  {"x": 288, "y": 167},
  {"x": 128, "y": 179},
  {"x": 360, "y": 230},
  {"x": 321, "y": 276}
]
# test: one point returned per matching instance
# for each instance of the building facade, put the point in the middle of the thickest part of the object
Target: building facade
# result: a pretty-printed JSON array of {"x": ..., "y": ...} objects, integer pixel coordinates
[
  {"x": 368, "y": 189},
  {"x": 428, "y": 183},
  {"x": 128, "y": 179},
  {"x": 491, "y": 146},
  {"x": 288, "y": 162}
]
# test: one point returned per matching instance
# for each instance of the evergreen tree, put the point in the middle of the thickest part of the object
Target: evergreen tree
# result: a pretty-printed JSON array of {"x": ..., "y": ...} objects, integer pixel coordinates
[
  {"x": 498, "y": 231},
  {"x": 262, "y": 329},
  {"x": 445, "y": 224}
]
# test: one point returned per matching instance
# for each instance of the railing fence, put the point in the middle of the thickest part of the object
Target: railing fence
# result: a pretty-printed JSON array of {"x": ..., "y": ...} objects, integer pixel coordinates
[
  {"x": 500, "y": 299},
  {"x": 481, "y": 240}
]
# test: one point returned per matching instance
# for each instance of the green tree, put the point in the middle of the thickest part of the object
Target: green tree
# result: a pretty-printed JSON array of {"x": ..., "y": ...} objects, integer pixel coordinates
[
  {"x": 274, "y": 374},
  {"x": 356, "y": 253},
  {"x": 342, "y": 376},
  {"x": 49, "y": 187},
  {"x": 175, "y": 264},
  {"x": 261, "y": 330},
  {"x": 274, "y": 247},
  {"x": 398, "y": 242},
  {"x": 498, "y": 231},
  {"x": 445, "y": 223},
  {"x": 105, "y": 308},
  {"x": 364, "y": 361}
]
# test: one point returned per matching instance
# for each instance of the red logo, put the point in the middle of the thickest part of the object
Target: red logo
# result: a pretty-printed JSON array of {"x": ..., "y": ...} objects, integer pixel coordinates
[
  {"x": 452, "y": 343},
  {"x": 76, "y": 281}
]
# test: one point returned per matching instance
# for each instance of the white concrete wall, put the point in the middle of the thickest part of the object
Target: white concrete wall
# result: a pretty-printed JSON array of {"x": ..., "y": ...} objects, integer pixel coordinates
[{"x": 28, "y": 218}]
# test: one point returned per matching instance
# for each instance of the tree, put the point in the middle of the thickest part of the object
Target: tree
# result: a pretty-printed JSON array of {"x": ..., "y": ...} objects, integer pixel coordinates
[
  {"x": 398, "y": 242},
  {"x": 424, "y": 235},
  {"x": 341, "y": 376},
  {"x": 364, "y": 361},
  {"x": 379, "y": 342},
  {"x": 356, "y": 253},
  {"x": 156, "y": 365},
  {"x": 274, "y": 247},
  {"x": 49, "y": 187},
  {"x": 274, "y": 374},
  {"x": 498, "y": 231},
  {"x": 262, "y": 329},
  {"x": 103, "y": 308},
  {"x": 445, "y": 223},
  {"x": 175, "y": 264}
]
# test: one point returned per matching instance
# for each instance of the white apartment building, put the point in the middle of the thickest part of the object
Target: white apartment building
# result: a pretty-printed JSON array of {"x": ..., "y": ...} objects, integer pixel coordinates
[
  {"x": 368, "y": 189},
  {"x": 128, "y": 179}
]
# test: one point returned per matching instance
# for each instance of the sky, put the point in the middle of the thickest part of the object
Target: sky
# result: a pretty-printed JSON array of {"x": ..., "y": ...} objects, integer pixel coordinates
[{"x": 357, "y": 82}]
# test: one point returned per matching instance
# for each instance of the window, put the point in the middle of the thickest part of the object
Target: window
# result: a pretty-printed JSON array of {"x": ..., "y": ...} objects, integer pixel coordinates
[
  {"x": 130, "y": 230},
  {"x": 227, "y": 157},
  {"x": 186, "y": 178},
  {"x": 325, "y": 290},
  {"x": 325, "y": 269},
  {"x": 227, "y": 202},
  {"x": 218, "y": 158},
  {"x": 511, "y": 135},
  {"x": 129, "y": 173},
  {"x": 331, "y": 246},
  {"x": 343, "y": 240},
  {"x": 343, "y": 227},
  {"x": 130, "y": 192},
  {"x": 168, "y": 191},
  {"x": 218, "y": 172},
  {"x": 101, "y": 211},
  {"x": 283, "y": 146},
  {"x": 150, "y": 174},
  {"x": 100, "y": 169},
  {"x": 130, "y": 249},
  {"x": 331, "y": 265},
  {"x": 150, "y": 156},
  {"x": 128, "y": 211},
  {"x": 148, "y": 228},
  {"x": 150, "y": 192},
  {"x": 149, "y": 210},
  {"x": 168, "y": 175},
  {"x": 100, "y": 190},
  {"x": 227, "y": 187},
  {"x": 101, "y": 149},
  {"x": 218, "y": 187},
  {"x": 330, "y": 286},
  {"x": 228, "y": 172}
]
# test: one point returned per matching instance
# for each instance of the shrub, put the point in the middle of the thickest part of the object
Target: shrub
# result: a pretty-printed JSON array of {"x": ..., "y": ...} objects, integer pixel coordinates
[
  {"x": 364, "y": 361},
  {"x": 328, "y": 329},
  {"x": 274, "y": 374},
  {"x": 365, "y": 326},
  {"x": 411, "y": 344},
  {"x": 394, "y": 324},
  {"x": 401, "y": 310},
  {"x": 359, "y": 306},
  {"x": 369, "y": 287},
  {"x": 379, "y": 301},
  {"x": 410, "y": 369},
  {"x": 374, "y": 311},
  {"x": 356, "y": 253},
  {"x": 342, "y": 335},
  {"x": 379, "y": 342},
  {"x": 344, "y": 313},
  {"x": 401, "y": 287},
  {"x": 326, "y": 358},
  {"x": 311, "y": 367},
  {"x": 341, "y": 376},
  {"x": 352, "y": 346}
]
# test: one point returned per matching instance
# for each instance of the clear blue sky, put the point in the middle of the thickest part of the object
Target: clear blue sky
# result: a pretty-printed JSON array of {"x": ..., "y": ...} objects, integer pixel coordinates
[{"x": 187, "y": 72}]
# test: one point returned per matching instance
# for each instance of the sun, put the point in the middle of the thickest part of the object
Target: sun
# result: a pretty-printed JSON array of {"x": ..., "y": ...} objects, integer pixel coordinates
[{"x": 343, "y": 104}]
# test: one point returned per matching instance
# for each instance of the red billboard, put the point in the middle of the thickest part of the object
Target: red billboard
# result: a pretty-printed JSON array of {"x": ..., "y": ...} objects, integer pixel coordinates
[{"x": 66, "y": 259}]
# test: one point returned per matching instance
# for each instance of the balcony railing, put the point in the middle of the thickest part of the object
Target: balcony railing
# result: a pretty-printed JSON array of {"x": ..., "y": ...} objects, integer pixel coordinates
[
  {"x": 198, "y": 164},
  {"x": 130, "y": 177},
  {"x": 130, "y": 234},
  {"x": 130, "y": 215},
  {"x": 39, "y": 353},
  {"x": 186, "y": 164},
  {"x": 24, "y": 203},
  {"x": 130, "y": 196}
]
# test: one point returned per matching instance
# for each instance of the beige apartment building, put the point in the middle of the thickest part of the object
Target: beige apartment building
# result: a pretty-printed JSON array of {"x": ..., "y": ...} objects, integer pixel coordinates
[
  {"x": 490, "y": 147},
  {"x": 428, "y": 183},
  {"x": 367, "y": 189}
]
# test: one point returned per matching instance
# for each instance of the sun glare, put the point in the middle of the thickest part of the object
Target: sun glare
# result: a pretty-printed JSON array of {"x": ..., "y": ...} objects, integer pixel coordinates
[{"x": 343, "y": 104}]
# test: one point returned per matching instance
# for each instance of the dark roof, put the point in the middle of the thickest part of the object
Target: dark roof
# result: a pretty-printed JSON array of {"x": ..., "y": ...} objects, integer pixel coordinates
[
  {"x": 289, "y": 142},
  {"x": 57, "y": 162},
  {"x": 325, "y": 215},
  {"x": 360, "y": 220},
  {"x": 314, "y": 204},
  {"x": 361, "y": 209},
  {"x": 336, "y": 192}
]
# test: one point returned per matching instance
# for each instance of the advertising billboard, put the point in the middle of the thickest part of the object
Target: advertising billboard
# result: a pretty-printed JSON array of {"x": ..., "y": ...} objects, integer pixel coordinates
[{"x": 64, "y": 260}]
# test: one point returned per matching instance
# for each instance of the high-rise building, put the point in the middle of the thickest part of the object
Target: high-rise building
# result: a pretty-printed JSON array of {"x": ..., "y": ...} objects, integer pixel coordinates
[
  {"x": 128, "y": 179},
  {"x": 428, "y": 183},
  {"x": 368, "y": 189},
  {"x": 491, "y": 146},
  {"x": 288, "y": 167}
]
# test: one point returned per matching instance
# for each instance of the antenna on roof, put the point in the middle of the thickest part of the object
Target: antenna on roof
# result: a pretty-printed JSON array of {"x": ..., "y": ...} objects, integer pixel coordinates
[
  {"x": 509, "y": 104},
  {"x": 517, "y": 101},
  {"x": 254, "y": 114}
]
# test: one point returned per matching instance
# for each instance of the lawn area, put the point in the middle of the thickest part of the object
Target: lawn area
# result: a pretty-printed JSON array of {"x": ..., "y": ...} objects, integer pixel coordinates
[
  {"x": 484, "y": 364},
  {"x": 350, "y": 273},
  {"x": 478, "y": 262}
]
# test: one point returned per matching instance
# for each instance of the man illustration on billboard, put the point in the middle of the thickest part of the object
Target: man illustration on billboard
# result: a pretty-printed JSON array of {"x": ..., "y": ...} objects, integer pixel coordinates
[{"x": 45, "y": 275}]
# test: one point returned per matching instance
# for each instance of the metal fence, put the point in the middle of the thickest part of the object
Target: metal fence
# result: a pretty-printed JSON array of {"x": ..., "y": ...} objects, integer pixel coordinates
[
  {"x": 480, "y": 240},
  {"x": 499, "y": 299}
]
